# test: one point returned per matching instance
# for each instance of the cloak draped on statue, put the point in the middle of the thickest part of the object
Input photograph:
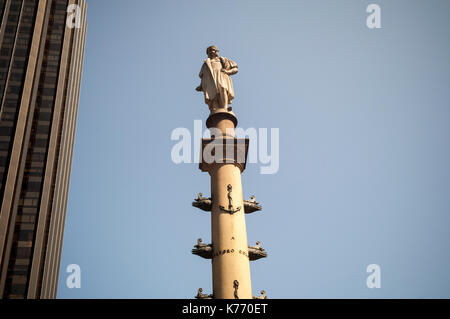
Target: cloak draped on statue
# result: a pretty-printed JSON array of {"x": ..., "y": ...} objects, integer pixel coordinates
[{"x": 214, "y": 81}]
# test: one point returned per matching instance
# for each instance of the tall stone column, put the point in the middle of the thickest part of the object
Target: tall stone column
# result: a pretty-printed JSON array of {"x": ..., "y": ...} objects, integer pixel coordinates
[
  {"x": 230, "y": 262},
  {"x": 224, "y": 158}
]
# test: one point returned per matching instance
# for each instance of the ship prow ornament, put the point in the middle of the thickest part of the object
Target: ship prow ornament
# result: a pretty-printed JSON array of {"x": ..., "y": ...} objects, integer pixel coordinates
[{"x": 202, "y": 203}]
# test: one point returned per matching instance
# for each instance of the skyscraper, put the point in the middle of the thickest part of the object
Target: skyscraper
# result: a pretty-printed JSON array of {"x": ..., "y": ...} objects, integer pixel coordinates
[{"x": 41, "y": 57}]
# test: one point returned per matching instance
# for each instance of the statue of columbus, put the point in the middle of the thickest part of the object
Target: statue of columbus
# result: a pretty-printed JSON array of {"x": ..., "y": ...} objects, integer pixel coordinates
[{"x": 216, "y": 82}]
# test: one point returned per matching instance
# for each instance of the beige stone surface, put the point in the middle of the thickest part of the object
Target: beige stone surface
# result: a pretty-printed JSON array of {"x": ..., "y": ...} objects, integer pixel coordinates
[{"x": 229, "y": 236}]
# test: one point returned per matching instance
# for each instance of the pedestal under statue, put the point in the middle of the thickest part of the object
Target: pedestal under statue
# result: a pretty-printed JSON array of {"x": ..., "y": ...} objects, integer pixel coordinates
[{"x": 216, "y": 82}]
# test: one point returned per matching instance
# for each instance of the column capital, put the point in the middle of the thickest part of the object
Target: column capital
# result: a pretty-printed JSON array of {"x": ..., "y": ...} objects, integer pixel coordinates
[{"x": 222, "y": 151}]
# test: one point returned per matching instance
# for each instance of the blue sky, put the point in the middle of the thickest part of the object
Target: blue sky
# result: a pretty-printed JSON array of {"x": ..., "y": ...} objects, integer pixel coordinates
[{"x": 364, "y": 120}]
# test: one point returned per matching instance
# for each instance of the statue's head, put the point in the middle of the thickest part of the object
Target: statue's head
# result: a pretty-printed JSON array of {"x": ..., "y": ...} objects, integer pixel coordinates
[{"x": 212, "y": 51}]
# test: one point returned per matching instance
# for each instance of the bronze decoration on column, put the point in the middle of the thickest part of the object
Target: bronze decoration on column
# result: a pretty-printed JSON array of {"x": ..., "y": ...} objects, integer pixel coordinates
[
  {"x": 236, "y": 286},
  {"x": 230, "y": 209}
]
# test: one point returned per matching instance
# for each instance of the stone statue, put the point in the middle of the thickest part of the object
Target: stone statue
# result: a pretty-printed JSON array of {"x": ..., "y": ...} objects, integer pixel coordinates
[
  {"x": 258, "y": 246},
  {"x": 263, "y": 295},
  {"x": 216, "y": 82},
  {"x": 200, "y": 244},
  {"x": 201, "y": 198},
  {"x": 253, "y": 200},
  {"x": 201, "y": 295}
]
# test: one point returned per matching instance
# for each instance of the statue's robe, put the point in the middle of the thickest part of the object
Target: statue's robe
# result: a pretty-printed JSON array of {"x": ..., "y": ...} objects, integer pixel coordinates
[{"x": 214, "y": 81}]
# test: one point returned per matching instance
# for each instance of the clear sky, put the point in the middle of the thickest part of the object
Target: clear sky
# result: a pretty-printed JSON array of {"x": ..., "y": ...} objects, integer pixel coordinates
[{"x": 364, "y": 120}]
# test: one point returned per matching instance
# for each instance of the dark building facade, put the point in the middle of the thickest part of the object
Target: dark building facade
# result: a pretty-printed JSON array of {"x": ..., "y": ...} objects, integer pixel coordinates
[{"x": 41, "y": 58}]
